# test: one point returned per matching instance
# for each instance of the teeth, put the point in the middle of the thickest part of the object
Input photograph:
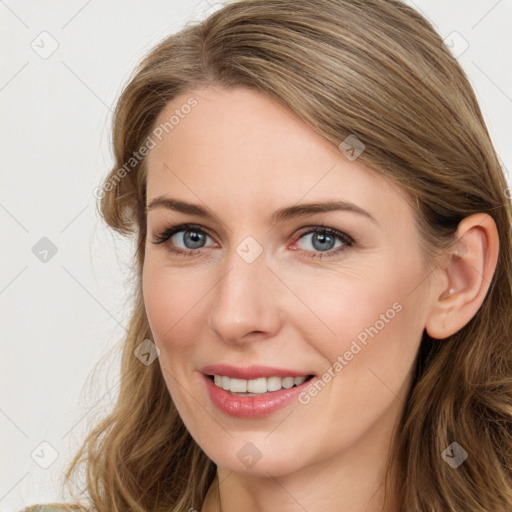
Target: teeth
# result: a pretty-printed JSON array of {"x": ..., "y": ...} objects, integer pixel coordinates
[
  {"x": 274, "y": 383},
  {"x": 288, "y": 382},
  {"x": 256, "y": 386},
  {"x": 238, "y": 386}
]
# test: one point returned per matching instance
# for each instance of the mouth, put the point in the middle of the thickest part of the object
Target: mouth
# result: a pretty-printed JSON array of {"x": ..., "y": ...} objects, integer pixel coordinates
[
  {"x": 257, "y": 387},
  {"x": 255, "y": 391}
]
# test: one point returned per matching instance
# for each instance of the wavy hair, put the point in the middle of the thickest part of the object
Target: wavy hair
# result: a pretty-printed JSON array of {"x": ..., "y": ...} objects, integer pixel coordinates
[{"x": 378, "y": 70}]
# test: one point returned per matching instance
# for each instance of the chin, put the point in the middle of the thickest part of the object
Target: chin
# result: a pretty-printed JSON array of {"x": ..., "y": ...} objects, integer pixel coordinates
[{"x": 256, "y": 455}]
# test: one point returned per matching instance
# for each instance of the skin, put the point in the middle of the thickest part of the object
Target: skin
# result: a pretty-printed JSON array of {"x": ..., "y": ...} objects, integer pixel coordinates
[{"x": 243, "y": 156}]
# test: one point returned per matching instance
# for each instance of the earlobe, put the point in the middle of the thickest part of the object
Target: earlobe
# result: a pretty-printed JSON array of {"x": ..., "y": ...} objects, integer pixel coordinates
[{"x": 465, "y": 280}]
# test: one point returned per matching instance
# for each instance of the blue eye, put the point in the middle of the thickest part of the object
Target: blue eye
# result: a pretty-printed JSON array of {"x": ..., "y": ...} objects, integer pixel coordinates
[
  {"x": 193, "y": 237},
  {"x": 323, "y": 241}
]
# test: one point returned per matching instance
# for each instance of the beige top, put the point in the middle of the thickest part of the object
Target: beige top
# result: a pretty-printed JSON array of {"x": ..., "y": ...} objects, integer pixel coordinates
[{"x": 53, "y": 507}]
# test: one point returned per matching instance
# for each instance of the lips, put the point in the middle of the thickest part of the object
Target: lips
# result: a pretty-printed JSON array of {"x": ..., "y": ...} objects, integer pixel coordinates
[
  {"x": 246, "y": 404},
  {"x": 251, "y": 372}
]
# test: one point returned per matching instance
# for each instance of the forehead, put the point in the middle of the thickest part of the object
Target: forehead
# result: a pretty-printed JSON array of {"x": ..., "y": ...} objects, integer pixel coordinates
[{"x": 240, "y": 145}]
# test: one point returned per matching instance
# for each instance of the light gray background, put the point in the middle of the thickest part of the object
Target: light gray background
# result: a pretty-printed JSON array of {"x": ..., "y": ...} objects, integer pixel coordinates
[{"x": 59, "y": 317}]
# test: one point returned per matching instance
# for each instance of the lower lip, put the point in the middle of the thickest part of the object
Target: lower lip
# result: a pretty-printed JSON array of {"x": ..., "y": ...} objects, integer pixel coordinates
[{"x": 252, "y": 406}]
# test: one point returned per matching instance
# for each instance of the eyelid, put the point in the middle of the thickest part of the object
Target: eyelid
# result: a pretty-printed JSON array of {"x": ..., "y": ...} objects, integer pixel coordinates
[{"x": 320, "y": 228}]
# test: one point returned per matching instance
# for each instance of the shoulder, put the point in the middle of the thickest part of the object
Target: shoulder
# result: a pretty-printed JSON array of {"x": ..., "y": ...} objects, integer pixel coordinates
[
  {"x": 41, "y": 508},
  {"x": 54, "y": 507}
]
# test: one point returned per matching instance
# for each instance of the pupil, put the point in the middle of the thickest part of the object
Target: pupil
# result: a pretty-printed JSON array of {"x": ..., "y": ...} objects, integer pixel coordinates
[
  {"x": 194, "y": 238},
  {"x": 322, "y": 238}
]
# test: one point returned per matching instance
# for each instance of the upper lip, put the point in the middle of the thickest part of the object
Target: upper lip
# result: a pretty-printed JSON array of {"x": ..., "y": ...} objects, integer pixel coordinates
[{"x": 251, "y": 372}]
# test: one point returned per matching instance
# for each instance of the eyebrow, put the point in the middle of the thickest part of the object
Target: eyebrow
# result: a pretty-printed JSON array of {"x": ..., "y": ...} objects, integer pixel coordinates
[{"x": 289, "y": 212}]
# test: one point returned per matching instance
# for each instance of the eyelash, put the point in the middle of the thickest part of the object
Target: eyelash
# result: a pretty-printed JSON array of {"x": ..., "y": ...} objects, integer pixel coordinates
[{"x": 168, "y": 232}]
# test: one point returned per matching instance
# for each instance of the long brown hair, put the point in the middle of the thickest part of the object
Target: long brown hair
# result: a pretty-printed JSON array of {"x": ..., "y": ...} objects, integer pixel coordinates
[{"x": 375, "y": 69}]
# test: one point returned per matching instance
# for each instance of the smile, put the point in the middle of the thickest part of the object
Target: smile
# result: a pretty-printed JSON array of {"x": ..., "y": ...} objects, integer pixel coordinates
[
  {"x": 255, "y": 387},
  {"x": 253, "y": 392}
]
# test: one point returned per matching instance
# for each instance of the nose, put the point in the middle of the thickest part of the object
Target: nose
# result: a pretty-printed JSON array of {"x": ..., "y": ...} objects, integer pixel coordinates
[{"x": 246, "y": 301}]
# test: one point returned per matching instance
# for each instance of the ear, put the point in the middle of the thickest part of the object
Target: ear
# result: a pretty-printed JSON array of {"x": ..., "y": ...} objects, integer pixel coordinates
[{"x": 462, "y": 285}]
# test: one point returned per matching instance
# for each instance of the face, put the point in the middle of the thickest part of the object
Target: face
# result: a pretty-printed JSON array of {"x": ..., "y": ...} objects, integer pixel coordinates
[{"x": 255, "y": 287}]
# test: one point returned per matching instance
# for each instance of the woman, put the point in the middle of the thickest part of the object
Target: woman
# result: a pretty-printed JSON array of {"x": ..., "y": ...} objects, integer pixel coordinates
[{"x": 323, "y": 272}]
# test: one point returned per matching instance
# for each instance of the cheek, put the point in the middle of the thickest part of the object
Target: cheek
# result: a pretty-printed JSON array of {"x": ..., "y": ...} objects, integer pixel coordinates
[
  {"x": 373, "y": 322},
  {"x": 173, "y": 300},
  {"x": 377, "y": 335},
  {"x": 344, "y": 307},
  {"x": 172, "y": 303}
]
